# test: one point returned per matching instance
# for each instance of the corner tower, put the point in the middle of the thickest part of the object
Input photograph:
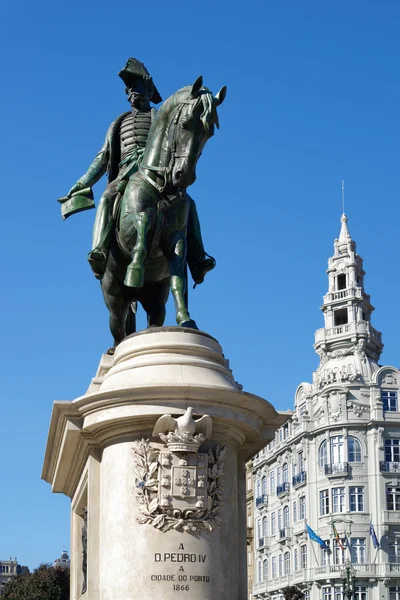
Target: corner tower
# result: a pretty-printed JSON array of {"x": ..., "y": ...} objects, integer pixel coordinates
[{"x": 347, "y": 313}]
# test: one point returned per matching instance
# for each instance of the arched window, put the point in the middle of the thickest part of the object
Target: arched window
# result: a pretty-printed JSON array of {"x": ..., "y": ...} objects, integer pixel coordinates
[
  {"x": 259, "y": 571},
  {"x": 287, "y": 563},
  {"x": 323, "y": 454},
  {"x": 264, "y": 486},
  {"x": 286, "y": 516},
  {"x": 265, "y": 569},
  {"x": 265, "y": 526},
  {"x": 285, "y": 471},
  {"x": 354, "y": 450}
]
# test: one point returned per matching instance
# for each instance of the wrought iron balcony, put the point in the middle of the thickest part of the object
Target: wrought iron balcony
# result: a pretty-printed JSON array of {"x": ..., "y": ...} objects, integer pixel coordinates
[
  {"x": 299, "y": 479},
  {"x": 389, "y": 467},
  {"x": 282, "y": 489},
  {"x": 285, "y": 534},
  {"x": 337, "y": 469},
  {"x": 262, "y": 543},
  {"x": 262, "y": 500}
]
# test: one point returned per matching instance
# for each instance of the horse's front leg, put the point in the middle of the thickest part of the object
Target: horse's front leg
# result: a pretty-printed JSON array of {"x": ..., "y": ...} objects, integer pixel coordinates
[
  {"x": 141, "y": 223},
  {"x": 176, "y": 262}
]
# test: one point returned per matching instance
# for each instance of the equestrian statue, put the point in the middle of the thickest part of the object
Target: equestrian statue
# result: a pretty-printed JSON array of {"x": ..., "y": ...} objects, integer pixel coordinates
[{"x": 147, "y": 227}]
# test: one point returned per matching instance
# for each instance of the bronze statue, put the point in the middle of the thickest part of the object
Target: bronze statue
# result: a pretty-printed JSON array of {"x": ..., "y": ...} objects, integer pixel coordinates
[
  {"x": 146, "y": 225},
  {"x": 121, "y": 156}
]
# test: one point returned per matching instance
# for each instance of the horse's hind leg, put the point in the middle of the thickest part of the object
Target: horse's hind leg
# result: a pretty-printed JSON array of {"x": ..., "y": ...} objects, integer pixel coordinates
[
  {"x": 176, "y": 261},
  {"x": 118, "y": 305},
  {"x": 135, "y": 272},
  {"x": 154, "y": 299}
]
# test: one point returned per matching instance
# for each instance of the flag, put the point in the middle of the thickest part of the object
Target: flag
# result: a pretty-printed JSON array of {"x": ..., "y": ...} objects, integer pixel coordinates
[
  {"x": 373, "y": 536},
  {"x": 315, "y": 538},
  {"x": 336, "y": 536}
]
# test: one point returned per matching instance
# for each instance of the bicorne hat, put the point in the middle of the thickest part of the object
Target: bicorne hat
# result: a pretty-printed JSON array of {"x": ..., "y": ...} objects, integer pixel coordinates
[{"x": 135, "y": 68}]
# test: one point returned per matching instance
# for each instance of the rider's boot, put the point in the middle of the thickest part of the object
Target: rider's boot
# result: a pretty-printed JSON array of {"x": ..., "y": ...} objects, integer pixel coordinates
[
  {"x": 98, "y": 256},
  {"x": 200, "y": 263}
]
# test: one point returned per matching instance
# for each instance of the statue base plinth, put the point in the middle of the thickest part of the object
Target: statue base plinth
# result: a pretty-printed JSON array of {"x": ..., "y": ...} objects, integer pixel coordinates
[{"x": 160, "y": 523}]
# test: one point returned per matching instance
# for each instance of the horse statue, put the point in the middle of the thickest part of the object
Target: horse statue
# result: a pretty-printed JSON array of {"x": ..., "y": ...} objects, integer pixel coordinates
[{"x": 148, "y": 248}]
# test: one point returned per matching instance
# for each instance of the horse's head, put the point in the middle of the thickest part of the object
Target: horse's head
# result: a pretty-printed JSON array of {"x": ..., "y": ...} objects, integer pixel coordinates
[{"x": 192, "y": 125}]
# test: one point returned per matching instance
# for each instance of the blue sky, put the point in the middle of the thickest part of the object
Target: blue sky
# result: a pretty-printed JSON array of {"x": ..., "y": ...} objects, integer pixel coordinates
[{"x": 313, "y": 98}]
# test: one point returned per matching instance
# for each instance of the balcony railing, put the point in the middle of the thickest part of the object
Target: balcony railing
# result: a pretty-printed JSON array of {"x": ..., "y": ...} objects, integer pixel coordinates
[
  {"x": 337, "y": 469},
  {"x": 262, "y": 543},
  {"x": 282, "y": 489},
  {"x": 262, "y": 500},
  {"x": 299, "y": 479},
  {"x": 347, "y": 329},
  {"x": 285, "y": 534},
  {"x": 390, "y": 467}
]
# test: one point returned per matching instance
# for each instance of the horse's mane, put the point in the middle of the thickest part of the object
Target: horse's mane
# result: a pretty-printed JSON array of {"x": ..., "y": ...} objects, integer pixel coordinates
[{"x": 204, "y": 99}]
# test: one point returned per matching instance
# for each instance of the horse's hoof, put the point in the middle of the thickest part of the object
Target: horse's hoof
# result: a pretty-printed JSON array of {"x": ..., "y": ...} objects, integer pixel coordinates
[
  {"x": 190, "y": 324},
  {"x": 111, "y": 351},
  {"x": 134, "y": 277}
]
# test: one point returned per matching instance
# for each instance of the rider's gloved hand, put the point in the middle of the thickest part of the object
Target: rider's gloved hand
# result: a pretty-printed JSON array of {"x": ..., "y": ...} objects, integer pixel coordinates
[{"x": 76, "y": 188}]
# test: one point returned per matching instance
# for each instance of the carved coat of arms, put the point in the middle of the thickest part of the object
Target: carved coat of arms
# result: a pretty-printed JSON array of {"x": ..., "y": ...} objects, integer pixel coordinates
[{"x": 176, "y": 486}]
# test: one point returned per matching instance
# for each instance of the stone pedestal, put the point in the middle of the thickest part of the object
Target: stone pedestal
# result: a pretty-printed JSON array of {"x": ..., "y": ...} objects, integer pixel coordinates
[{"x": 164, "y": 521}]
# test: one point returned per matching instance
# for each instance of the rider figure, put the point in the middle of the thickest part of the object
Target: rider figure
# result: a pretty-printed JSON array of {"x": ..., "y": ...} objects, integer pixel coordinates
[{"x": 121, "y": 156}]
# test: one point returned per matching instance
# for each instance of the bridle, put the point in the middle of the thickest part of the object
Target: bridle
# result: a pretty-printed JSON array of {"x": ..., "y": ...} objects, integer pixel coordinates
[{"x": 166, "y": 172}]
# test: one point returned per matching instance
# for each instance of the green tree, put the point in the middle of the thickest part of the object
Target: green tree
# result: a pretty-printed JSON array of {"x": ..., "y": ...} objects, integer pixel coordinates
[
  {"x": 45, "y": 583},
  {"x": 292, "y": 592}
]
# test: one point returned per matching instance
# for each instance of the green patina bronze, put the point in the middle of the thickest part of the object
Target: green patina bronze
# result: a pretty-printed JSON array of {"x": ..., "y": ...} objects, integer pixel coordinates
[{"x": 146, "y": 225}]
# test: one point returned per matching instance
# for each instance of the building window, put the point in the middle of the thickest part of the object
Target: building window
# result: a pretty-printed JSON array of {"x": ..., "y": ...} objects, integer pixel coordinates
[
  {"x": 327, "y": 593},
  {"x": 394, "y": 593},
  {"x": 358, "y": 550},
  {"x": 389, "y": 400},
  {"x": 302, "y": 501},
  {"x": 341, "y": 316},
  {"x": 338, "y": 500},
  {"x": 287, "y": 563},
  {"x": 273, "y": 523},
  {"x": 357, "y": 499},
  {"x": 338, "y": 553},
  {"x": 273, "y": 567},
  {"x": 324, "y": 502},
  {"x": 303, "y": 557},
  {"x": 294, "y": 467},
  {"x": 325, "y": 555},
  {"x": 280, "y": 518},
  {"x": 323, "y": 454},
  {"x": 259, "y": 529},
  {"x": 392, "y": 450},
  {"x": 264, "y": 486},
  {"x": 295, "y": 560},
  {"x": 354, "y": 450},
  {"x": 285, "y": 470},
  {"x": 265, "y": 526},
  {"x": 301, "y": 462},
  {"x": 259, "y": 571},
  {"x": 341, "y": 281},
  {"x": 337, "y": 449},
  {"x": 306, "y": 594},
  {"x": 280, "y": 565},
  {"x": 394, "y": 550},
  {"x": 360, "y": 592},
  {"x": 278, "y": 476},
  {"x": 295, "y": 512},
  {"x": 265, "y": 569},
  {"x": 393, "y": 498},
  {"x": 286, "y": 516},
  {"x": 285, "y": 431},
  {"x": 258, "y": 488},
  {"x": 272, "y": 482}
]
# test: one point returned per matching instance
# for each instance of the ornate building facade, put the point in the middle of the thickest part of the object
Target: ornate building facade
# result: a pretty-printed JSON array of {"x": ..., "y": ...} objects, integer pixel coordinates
[{"x": 336, "y": 465}]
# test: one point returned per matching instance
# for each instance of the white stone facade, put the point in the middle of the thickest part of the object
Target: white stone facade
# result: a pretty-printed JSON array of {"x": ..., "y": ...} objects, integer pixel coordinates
[{"x": 337, "y": 463}]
